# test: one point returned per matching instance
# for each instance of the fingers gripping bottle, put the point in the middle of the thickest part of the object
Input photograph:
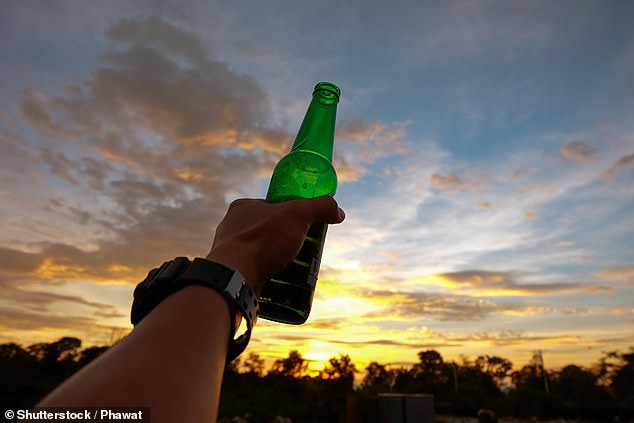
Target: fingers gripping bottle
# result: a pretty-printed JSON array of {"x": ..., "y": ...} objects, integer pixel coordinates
[{"x": 305, "y": 172}]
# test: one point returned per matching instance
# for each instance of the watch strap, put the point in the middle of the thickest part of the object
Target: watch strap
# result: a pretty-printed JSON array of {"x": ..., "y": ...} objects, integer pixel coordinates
[
  {"x": 234, "y": 287},
  {"x": 181, "y": 272}
]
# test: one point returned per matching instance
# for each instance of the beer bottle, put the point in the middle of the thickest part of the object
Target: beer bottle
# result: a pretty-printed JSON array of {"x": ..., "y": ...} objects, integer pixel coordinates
[{"x": 305, "y": 172}]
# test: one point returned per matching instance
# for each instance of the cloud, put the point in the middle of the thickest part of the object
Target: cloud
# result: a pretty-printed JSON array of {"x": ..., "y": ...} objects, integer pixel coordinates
[
  {"x": 273, "y": 140},
  {"x": 14, "y": 261},
  {"x": 579, "y": 151},
  {"x": 164, "y": 77},
  {"x": 488, "y": 283},
  {"x": 453, "y": 183},
  {"x": 348, "y": 169},
  {"x": 619, "y": 275},
  {"x": 442, "y": 307},
  {"x": 617, "y": 167},
  {"x": 458, "y": 30},
  {"x": 516, "y": 337},
  {"x": 159, "y": 77},
  {"x": 17, "y": 319},
  {"x": 60, "y": 165},
  {"x": 17, "y": 158},
  {"x": 362, "y": 131},
  {"x": 470, "y": 295},
  {"x": 33, "y": 108},
  {"x": 160, "y": 34},
  {"x": 30, "y": 326},
  {"x": 82, "y": 217},
  {"x": 140, "y": 160},
  {"x": 361, "y": 143},
  {"x": 39, "y": 301},
  {"x": 150, "y": 70},
  {"x": 135, "y": 243},
  {"x": 161, "y": 134},
  {"x": 31, "y": 306},
  {"x": 398, "y": 344},
  {"x": 328, "y": 324},
  {"x": 138, "y": 164}
]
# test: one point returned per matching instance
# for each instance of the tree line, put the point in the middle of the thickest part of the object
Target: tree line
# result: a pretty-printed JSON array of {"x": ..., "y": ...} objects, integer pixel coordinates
[{"x": 600, "y": 392}]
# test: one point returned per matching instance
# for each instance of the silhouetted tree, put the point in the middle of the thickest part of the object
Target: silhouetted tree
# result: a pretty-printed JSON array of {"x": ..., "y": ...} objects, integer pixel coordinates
[
  {"x": 431, "y": 362},
  {"x": 66, "y": 349},
  {"x": 14, "y": 352},
  {"x": 377, "y": 378},
  {"x": 531, "y": 396},
  {"x": 532, "y": 374},
  {"x": 20, "y": 385},
  {"x": 27, "y": 374},
  {"x": 254, "y": 364},
  {"x": 622, "y": 385},
  {"x": 495, "y": 366},
  {"x": 581, "y": 396},
  {"x": 342, "y": 370},
  {"x": 89, "y": 354},
  {"x": 606, "y": 366},
  {"x": 473, "y": 388},
  {"x": 405, "y": 380},
  {"x": 294, "y": 365},
  {"x": 431, "y": 374}
]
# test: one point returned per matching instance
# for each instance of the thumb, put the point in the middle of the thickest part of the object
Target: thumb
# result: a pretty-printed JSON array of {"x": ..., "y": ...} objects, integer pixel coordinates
[{"x": 324, "y": 209}]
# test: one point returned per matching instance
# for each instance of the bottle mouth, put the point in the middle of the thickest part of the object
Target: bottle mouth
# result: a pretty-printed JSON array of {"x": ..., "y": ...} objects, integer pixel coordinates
[{"x": 327, "y": 93}]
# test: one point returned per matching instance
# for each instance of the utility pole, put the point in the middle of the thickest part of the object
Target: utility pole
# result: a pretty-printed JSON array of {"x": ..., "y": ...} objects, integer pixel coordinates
[{"x": 540, "y": 362}]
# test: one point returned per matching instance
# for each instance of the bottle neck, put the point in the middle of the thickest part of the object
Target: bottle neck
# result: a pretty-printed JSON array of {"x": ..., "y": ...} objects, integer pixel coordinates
[{"x": 317, "y": 132}]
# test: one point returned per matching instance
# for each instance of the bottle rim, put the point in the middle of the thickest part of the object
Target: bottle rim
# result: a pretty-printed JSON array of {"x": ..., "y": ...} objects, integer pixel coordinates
[{"x": 328, "y": 86}]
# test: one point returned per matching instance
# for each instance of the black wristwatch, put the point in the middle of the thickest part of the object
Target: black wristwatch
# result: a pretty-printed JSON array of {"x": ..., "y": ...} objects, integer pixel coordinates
[{"x": 178, "y": 273}]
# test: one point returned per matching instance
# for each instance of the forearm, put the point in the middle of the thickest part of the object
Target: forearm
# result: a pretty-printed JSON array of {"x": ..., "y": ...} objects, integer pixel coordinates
[
  {"x": 174, "y": 359},
  {"x": 171, "y": 362}
]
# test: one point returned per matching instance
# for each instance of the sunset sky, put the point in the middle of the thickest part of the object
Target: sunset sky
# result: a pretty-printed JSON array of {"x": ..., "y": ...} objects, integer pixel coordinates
[{"x": 485, "y": 153}]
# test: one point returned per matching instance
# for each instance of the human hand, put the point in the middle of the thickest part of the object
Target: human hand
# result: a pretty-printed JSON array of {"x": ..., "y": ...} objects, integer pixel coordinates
[{"x": 259, "y": 238}]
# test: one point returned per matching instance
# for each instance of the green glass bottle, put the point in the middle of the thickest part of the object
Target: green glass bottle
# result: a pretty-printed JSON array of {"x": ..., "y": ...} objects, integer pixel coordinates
[{"x": 305, "y": 172}]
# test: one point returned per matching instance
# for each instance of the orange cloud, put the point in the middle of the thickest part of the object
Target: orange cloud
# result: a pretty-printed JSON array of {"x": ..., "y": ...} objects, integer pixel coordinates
[
  {"x": 482, "y": 283},
  {"x": 49, "y": 269},
  {"x": 364, "y": 142},
  {"x": 365, "y": 132},
  {"x": 514, "y": 337},
  {"x": 348, "y": 171},
  {"x": 579, "y": 151},
  {"x": 453, "y": 183},
  {"x": 620, "y": 275},
  {"x": 617, "y": 167}
]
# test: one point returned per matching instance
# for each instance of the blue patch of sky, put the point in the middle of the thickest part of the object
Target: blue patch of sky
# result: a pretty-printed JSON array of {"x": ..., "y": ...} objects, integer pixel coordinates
[
  {"x": 32, "y": 57},
  {"x": 478, "y": 104},
  {"x": 601, "y": 226}
]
